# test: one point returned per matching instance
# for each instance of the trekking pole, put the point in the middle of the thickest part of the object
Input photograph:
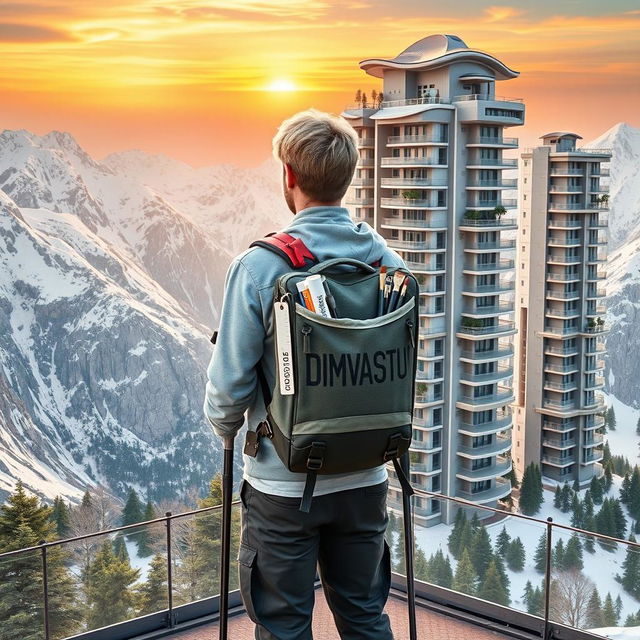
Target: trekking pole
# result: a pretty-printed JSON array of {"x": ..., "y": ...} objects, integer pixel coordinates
[
  {"x": 225, "y": 547},
  {"x": 408, "y": 550}
]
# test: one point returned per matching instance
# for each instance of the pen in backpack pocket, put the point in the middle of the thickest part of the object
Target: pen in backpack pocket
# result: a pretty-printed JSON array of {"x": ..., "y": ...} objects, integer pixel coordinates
[
  {"x": 388, "y": 284},
  {"x": 398, "y": 279},
  {"x": 331, "y": 301},
  {"x": 403, "y": 292},
  {"x": 383, "y": 275}
]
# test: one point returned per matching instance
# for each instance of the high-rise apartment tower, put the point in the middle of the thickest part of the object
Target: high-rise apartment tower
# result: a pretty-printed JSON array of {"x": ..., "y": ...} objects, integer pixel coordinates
[
  {"x": 430, "y": 180},
  {"x": 559, "y": 291}
]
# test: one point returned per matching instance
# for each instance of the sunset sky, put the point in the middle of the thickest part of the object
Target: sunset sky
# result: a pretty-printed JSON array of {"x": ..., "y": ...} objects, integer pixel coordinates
[{"x": 208, "y": 82}]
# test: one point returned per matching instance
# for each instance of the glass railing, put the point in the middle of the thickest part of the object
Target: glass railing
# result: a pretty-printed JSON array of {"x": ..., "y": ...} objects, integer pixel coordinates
[
  {"x": 145, "y": 573},
  {"x": 542, "y": 576}
]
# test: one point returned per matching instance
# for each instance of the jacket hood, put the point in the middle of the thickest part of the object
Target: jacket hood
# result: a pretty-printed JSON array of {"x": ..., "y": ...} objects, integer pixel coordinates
[{"x": 356, "y": 240}]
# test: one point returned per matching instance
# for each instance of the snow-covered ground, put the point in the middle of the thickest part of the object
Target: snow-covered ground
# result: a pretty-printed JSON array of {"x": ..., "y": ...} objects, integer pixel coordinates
[
  {"x": 619, "y": 633},
  {"x": 624, "y": 440},
  {"x": 601, "y": 566}
]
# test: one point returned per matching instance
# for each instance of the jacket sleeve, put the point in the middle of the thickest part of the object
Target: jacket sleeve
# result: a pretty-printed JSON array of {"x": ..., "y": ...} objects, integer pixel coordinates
[{"x": 232, "y": 376}]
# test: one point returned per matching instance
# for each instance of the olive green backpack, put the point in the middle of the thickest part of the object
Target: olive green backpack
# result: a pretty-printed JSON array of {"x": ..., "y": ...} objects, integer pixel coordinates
[{"x": 344, "y": 386}]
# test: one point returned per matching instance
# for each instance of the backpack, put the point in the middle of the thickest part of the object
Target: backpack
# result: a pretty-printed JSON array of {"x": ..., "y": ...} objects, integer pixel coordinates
[{"x": 344, "y": 386}]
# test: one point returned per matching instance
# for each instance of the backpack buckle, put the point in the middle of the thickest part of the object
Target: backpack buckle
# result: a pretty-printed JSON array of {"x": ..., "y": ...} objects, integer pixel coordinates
[
  {"x": 392, "y": 447},
  {"x": 315, "y": 459},
  {"x": 264, "y": 430}
]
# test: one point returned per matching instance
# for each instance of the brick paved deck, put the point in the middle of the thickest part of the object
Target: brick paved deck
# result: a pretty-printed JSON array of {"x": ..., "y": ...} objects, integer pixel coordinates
[{"x": 431, "y": 626}]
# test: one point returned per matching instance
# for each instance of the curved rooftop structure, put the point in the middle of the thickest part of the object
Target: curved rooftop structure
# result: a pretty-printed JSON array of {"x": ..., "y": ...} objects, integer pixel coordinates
[
  {"x": 436, "y": 51},
  {"x": 561, "y": 134}
]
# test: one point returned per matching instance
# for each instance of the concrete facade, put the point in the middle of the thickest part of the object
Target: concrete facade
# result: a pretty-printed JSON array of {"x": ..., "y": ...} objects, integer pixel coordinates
[
  {"x": 430, "y": 180},
  {"x": 559, "y": 289}
]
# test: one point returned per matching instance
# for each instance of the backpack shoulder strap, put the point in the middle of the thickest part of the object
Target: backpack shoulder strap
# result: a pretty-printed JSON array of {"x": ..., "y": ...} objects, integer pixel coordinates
[{"x": 290, "y": 249}]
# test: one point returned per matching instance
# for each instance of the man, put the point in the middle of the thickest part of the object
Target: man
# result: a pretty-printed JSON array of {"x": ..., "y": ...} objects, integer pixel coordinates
[{"x": 343, "y": 533}]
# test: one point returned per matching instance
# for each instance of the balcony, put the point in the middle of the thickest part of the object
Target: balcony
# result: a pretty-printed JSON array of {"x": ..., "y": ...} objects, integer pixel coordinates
[
  {"x": 416, "y": 140},
  {"x": 411, "y": 203},
  {"x": 393, "y": 161},
  {"x": 498, "y": 468},
  {"x": 493, "y": 141},
  {"x": 414, "y": 101},
  {"x": 498, "y": 446},
  {"x": 362, "y": 182},
  {"x": 493, "y": 310},
  {"x": 482, "y": 223},
  {"x": 504, "y": 395},
  {"x": 436, "y": 222},
  {"x": 559, "y": 427},
  {"x": 558, "y": 188},
  {"x": 365, "y": 162},
  {"x": 575, "y": 206},
  {"x": 480, "y": 289},
  {"x": 498, "y": 265},
  {"x": 501, "y": 423},
  {"x": 366, "y": 143},
  {"x": 563, "y": 223},
  {"x": 410, "y": 245},
  {"x": 563, "y": 171},
  {"x": 360, "y": 202},
  {"x": 558, "y": 461},
  {"x": 425, "y": 267},
  {"x": 501, "y": 373},
  {"x": 484, "y": 97},
  {"x": 498, "y": 245},
  {"x": 413, "y": 182},
  {"x": 503, "y": 327},
  {"x": 562, "y": 295},
  {"x": 492, "y": 163},
  {"x": 507, "y": 203},
  {"x": 502, "y": 183},
  {"x": 441, "y": 612},
  {"x": 505, "y": 351}
]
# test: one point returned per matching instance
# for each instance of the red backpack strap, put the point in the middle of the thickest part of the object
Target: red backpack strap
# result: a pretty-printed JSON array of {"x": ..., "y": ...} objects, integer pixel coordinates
[{"x": 291, "y": 249}]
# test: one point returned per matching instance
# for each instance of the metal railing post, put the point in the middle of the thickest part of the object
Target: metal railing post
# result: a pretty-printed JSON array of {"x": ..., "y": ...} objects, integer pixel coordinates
[
  {"x": 169, "y": 570},
  {"x": 547, "y": 581},
  {"x": 45, "y": 588}
]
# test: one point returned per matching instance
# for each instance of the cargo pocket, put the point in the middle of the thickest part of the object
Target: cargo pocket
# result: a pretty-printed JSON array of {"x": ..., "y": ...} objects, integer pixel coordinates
[{"x": 246, "y": 567}]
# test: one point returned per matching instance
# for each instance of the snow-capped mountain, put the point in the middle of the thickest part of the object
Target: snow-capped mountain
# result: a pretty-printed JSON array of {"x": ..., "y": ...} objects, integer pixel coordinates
[
  {"x": 623, "y": 265},
  {"x": 108, "y": 292}
]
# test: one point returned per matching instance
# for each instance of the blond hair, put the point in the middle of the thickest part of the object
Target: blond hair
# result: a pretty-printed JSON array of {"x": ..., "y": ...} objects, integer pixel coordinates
[{"x": 321, "y": 148}]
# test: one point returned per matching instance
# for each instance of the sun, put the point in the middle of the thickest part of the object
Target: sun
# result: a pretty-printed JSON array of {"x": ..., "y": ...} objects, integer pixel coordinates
[{"x": 281, "y": 84}]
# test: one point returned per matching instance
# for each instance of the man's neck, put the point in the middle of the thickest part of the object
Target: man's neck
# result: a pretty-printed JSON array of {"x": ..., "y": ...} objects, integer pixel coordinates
[{"x": 307, "y": 204}]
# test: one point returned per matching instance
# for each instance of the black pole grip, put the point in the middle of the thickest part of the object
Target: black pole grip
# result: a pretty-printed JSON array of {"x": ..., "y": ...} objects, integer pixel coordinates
[{"x": 225, "y": 547}]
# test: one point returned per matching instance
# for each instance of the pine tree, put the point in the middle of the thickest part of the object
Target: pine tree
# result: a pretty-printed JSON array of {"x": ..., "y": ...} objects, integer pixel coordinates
[
  {"x": 638, "y": 426},
  {"x": 60, "y": 516},
  {"x": 609, "y": 616},
  {"x": 611, "y": 419},
  {"x": 420, "y": 565},
  {"x": 634, "y": 494},
  {"x": 557, "y": 558},
  {"x": 577, "y": 517},
  {"x": 594, "y": 611},
  {"x": 491, "y": 588},
  {"x": 630, "y": 579},
  {"x": 87, "y": 501},
  {"x": 589, "y": 524},
  {"x": 536, "y": 605},
  {"x": 632, "y": 620},
  {"x": 576, "y": 486},
  {"x": 110, "y": 598},
  {"x": 502, "y": 541},
  {"x": 527, "y": 593},
  {"x": 531, "y": 490},
  {"x": 502, "y": 571},
  {"x": 454, "y": 537},
  {"x": 619, "y": 518},
  {"x": 624, "y": 489},
  {"x": 149, "y": 534},
  {"x": 618, "y": 606},
  {"x": 481, "y": 552},
  {"x": 23, "y": 523},
  {"x": 358, "y": 97},
  {"x": 152, "y": 593},
  {"x": 516, "y": 555},
  {"x": 513, "y": 478},
  {"x": 596, "y": 490},
  {"x": 587, "y": 504},
  {"x": 572, "y": 558},
  {"x": 540, "y": 554},
  {"x": 608, "y": 476},
  {"x": 557, "y": 497},
  {"x": 439, "y": 570},
  {"x": 565, "y": 503},
  {"x": 465, "y": 579},
  {"x": 132, "y": 513},
  {"x": 120, "y": 549}
]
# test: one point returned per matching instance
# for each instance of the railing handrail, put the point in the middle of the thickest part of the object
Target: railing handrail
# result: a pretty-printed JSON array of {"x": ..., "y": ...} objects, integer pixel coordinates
[{"x": 95, "y": 534}]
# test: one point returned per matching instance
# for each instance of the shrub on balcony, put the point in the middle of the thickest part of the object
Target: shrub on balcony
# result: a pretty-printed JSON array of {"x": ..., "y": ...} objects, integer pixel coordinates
[
  {"x": 412, "y": 194},
  {"x": 472, "y": 214},
  {"x": 499, "y": 211},
  {"x": 472, "y": 323}
]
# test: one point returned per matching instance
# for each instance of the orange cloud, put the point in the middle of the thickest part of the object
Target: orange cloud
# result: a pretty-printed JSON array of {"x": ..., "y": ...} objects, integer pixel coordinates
[
  {"x": 501, "y": 13},
  {"x": 15, "y": 32}
]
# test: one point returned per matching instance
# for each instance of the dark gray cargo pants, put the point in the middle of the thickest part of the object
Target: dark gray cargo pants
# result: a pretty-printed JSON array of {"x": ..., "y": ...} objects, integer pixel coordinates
[{"x": 281, "y": 546}]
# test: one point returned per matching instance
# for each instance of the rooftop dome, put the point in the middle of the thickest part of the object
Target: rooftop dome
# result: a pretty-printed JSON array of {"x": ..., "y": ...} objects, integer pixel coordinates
[
  {"x": 436, "y": 51},
  {"x": 561, "y": 134}
]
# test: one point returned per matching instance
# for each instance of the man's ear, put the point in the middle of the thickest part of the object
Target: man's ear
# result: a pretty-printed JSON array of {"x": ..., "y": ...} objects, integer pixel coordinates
[{"x": 289, "y": 176}]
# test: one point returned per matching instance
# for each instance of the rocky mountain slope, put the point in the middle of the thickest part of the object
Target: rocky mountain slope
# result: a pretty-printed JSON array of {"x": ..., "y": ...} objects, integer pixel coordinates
[{"x": 108, "y": 292}]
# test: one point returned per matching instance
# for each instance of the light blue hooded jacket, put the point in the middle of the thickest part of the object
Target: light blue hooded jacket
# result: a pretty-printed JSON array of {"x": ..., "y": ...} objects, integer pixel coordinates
[{"x": 245, "y": 338}]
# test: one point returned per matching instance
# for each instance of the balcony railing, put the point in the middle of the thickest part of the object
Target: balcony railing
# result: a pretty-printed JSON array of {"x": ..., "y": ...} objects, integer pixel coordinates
[
  {"x": 411, "y": 203},
  {"x": 487, "y": 222},
  {"x": 493, "y": 162},
  {"x": 412, "y": 101},
  {"x": 170, "y": 617},
  {"x": 416, "y": 139},
  {"x": 435, "y": 222},
  {"x": 503, "y": 183},
  {"x": 413, "y": 182},
  {"x": 399, "y": 161},
  {"x": 494, "y": 140},
  {"x": 484, "y": 97}
]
